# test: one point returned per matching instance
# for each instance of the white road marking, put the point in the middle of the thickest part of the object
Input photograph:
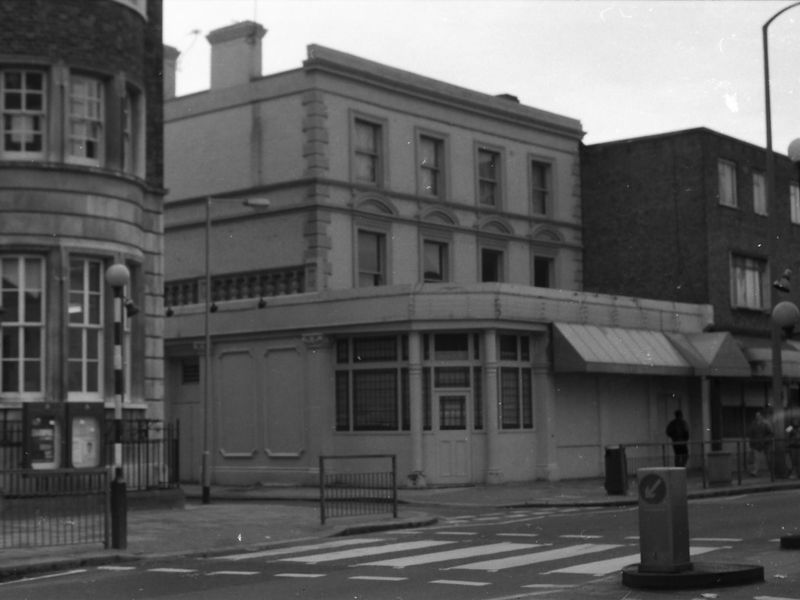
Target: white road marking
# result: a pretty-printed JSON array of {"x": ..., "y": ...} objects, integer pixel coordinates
[
  {"x": 51, "y": 576},
  {"x": 717, "y": 540},
  {"x": 456, "y": 554},
  {"x": 523, "y": 560},
  {"x": 115, "y": 568},
  {"x": 605, "y": 567},
  {"x": 457, "y": 533},
  {"x": 459, "y": 582},
  {"x": 376, "y": 578},
  {"x": 171, "y": 570},
  {"x": 578, "y": 536},
  {"x": 249, "y": 573},
  {"x": 368, "y": 551},
  {"x": 518, "y": 535},
  {"x": 549, "y": 586},
  {"x": 300, "y": 575},
  {"x": 773, "y": 598},
  {"x": 304, "y": 548}
]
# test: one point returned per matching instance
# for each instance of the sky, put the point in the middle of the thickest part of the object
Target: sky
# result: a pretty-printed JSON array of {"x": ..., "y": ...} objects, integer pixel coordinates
[{"x": 622, "y": 68}]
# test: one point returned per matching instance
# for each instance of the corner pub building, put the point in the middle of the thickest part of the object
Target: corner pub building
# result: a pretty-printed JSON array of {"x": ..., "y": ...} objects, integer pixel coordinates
[{"x": 413, "y": 287}]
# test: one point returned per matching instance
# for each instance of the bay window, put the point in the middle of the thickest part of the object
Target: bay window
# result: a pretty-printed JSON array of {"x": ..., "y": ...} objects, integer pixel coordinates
[
  {"x": 22, "y": 290},
  {"x": 86, "y": 120},
  {"x": 23, "y": 95},
  {"x": 86, "y": 297}
]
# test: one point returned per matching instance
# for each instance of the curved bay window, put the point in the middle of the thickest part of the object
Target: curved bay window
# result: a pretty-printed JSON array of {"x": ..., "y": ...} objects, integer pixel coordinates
[
  {"x": 85, "y": 309},
  {"x": 22, "y": 291},
  {"x": 100, "y": 123}
]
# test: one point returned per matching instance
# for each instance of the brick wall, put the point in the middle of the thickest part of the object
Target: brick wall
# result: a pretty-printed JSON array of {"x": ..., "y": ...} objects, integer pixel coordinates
[{"x": 653, "y": 225}]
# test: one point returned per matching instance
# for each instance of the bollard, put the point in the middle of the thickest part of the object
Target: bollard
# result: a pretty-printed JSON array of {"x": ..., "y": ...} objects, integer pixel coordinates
[
  {"x": 663, "y": 520},
  {"x": 119, "y": 512},
  {"x": 664, "y": 540}
]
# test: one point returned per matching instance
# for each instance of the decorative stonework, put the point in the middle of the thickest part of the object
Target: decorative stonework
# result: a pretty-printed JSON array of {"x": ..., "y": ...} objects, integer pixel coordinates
[
  {"x": 316, "y": 341},
  {"x": 315, "y": 130}
]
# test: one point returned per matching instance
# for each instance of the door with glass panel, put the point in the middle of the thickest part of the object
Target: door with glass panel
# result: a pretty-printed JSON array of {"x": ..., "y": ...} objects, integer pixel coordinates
[{"x": 452, "y": 437}]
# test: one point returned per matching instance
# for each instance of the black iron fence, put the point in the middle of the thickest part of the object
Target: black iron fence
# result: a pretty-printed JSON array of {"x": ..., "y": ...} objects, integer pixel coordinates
[
  {"x": 357, "y": 485},
  {"x": 54, "y": 507},
  {"x": 149, "y": 451}
]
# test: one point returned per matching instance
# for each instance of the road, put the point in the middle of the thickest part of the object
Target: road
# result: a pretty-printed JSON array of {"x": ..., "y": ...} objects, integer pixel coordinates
[{"x": 556, "y": 554}]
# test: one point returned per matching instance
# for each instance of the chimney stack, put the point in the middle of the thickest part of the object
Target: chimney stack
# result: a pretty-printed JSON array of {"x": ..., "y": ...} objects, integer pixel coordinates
[
  {"x": 235, "y": 54},
  {"x": 168, "y": 71}
]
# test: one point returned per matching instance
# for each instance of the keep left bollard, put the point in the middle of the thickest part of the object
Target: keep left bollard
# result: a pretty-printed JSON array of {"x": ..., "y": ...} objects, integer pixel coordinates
[
  {"x": 663, "y": 520},
  {"x": 664, "y": 540},
  {"x": 119, "y": 512}
]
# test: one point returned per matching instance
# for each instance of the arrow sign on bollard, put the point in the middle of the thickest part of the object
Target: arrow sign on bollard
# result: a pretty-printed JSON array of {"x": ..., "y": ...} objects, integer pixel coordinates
[{"x": 652, "y": 489}]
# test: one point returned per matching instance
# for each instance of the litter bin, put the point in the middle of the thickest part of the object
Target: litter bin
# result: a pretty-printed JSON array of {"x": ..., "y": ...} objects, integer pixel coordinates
[{"x": 616, "y": 470}]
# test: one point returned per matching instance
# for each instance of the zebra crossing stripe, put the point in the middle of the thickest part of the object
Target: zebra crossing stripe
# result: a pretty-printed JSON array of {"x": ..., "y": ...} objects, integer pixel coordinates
[
  {"x": 171, "y": 570},
  {"x": 300, "y": 575},
  {"x": 304, "y": 548},
  {"x": 456, "y": 554},
  {"x": 377, "y": 578},
  {"x": 458, "y": 582},
  {"x": 248, "y": 573},
  {"x": 523, "y": 560},
  {"x": 368, "y": 551},
  {"x": 605, "y": 567}
]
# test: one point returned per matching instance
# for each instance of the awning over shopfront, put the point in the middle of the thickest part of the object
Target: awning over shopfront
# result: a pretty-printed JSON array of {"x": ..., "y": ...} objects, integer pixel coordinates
[
  {"x": 714, "y": 354},
  {"x": 759, "y": 352},
  {"x": 595, "y": 349}
]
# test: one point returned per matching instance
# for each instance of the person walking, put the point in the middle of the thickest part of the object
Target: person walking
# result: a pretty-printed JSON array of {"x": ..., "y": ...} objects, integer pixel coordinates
[
  {"x": 793, "y": 441},
  {"x": 678, "y": 432},
  {"x": 760, "y": 435}
]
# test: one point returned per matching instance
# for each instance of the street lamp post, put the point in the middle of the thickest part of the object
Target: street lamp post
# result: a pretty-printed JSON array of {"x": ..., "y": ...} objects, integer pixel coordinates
[
  {"x": 118, "y": 276},
  {"x": 775, "y": 334},
  {"x": 210, "y": 307}
]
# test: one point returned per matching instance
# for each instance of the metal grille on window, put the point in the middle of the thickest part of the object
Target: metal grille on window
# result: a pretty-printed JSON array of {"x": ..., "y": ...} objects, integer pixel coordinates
[
  {"x": 377, "y": 349},
  {"x": 451, "y": 377},
  {"x": 452, "y": 412},
  {"x": 426, "y": 399},
  {"x": 375, "y": 400},
  {"x": 509, "y": 398},
  {"x": 477, "y": 397},
  {"x": 190, "y": 371},
  {"x": 342, "y": 401}
]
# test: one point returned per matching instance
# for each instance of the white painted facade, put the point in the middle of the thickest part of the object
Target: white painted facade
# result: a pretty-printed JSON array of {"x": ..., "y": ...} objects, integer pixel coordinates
[{"x": 449, "y": 367}]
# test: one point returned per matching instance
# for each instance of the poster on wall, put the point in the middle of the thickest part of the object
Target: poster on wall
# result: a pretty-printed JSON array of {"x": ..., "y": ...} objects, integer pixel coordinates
[
  {"x": 44, "y": 442},
  {"x": 85, "y": 442}
]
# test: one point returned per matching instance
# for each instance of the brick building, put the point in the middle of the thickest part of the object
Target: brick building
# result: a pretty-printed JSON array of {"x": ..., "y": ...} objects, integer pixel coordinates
[
  {"x": 81, "y": 188},
  {"x": 683, "y": 216}
]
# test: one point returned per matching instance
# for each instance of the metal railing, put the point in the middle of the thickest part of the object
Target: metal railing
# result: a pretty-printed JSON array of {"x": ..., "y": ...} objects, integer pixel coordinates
[
  {"x": 54, "y": 507},
  {"x": 149, "y": 448},
  {"x": 715, "y": 462},
  {"x": 353, "y": 485}
]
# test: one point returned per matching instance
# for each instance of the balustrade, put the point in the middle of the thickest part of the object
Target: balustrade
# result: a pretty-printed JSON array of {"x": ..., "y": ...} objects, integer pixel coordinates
[{"x": 236, "y": 286}]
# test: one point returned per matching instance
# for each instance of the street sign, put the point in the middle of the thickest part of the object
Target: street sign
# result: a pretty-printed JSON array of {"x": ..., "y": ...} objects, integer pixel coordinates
[
  {"x": 652, "y": 488},
  {"x": 663, "y": 520}
]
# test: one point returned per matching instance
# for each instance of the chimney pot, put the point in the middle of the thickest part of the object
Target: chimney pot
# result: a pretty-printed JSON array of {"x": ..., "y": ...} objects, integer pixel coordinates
[
  {"x": 168, "y": 71},
  {"x": 235, "y": 54}
]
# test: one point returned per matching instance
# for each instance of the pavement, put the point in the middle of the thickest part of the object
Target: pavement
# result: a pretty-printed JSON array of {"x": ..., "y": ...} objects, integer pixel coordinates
[{"x": 240, "y": 519}]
